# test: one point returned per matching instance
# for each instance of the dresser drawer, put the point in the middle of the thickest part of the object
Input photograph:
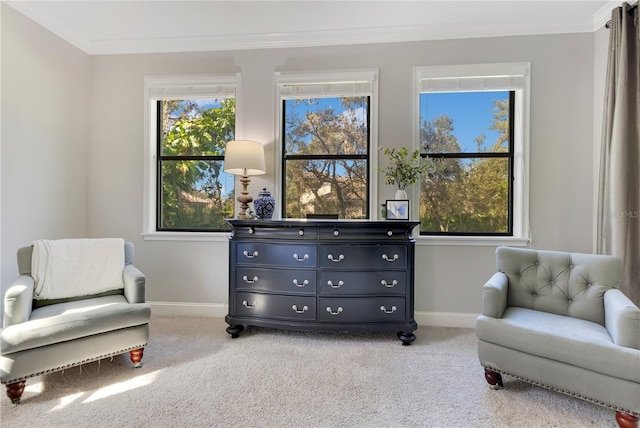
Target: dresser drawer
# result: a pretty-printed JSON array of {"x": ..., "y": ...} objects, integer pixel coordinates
[
  {"x": 363, "y": 256},
  {"x": 267, "y": 254},
  {"x": 276, "y": 280},
  {"x": 336, "y": 282},
  {"x": 361, "y": 310},
  {"x": 296, "y": 232},
  {"x": 275, "y": 306},
  {"x": 385, "y": 232}
]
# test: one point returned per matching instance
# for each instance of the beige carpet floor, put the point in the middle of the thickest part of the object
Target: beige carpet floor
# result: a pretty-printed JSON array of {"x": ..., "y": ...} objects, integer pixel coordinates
[{"x": 195, "y": 375}]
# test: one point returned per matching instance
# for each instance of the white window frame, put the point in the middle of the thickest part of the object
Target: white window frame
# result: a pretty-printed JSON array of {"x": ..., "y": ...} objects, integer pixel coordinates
[
  {"x": 337, "y": 83},
  {"x": 176, "y": 87},
  {"x": 465, "y": 78}
]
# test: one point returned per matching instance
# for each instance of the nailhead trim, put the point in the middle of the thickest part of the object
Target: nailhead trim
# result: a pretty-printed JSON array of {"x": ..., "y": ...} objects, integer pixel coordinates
[
  {"x": 68, "y": 366},
  {"x": 564, "y": 391}
]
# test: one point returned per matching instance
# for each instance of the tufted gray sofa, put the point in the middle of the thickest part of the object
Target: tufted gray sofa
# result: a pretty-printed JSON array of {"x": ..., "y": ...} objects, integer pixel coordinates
[
  {"x": 41, "y": 337},
  {"x": 558, "y": 320}
]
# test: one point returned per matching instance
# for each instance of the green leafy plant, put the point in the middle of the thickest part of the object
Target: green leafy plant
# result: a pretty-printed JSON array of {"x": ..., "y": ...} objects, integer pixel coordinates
[{"x": 404, "y": 168}]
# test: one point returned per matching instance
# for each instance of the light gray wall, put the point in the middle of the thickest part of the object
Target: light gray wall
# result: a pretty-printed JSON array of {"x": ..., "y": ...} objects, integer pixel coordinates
[
  {"x": 449, "y": 278},
  {"x": 45, "y": 138}
]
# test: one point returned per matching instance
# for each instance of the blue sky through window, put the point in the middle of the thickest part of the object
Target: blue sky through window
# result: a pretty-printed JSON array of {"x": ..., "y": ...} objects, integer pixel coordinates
[{"x": 472, "y": 114}]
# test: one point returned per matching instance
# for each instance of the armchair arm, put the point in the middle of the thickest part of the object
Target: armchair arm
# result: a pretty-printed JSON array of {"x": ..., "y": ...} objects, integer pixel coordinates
[
  {"x": 621, "y": 319},
  {"x": 494, "y": 295},
  {"x": 134, "y": 284},
  {"x": 18, "y": 301}
]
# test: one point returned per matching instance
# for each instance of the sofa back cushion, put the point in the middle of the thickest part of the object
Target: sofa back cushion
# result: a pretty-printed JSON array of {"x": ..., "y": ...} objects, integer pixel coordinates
[{"x": 570, "y": 284}]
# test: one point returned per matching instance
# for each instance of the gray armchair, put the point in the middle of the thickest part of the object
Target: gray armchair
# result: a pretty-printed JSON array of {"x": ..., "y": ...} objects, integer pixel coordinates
[
  {"x": 558, "y": 320},
  {"x": 44, "y": 336}
]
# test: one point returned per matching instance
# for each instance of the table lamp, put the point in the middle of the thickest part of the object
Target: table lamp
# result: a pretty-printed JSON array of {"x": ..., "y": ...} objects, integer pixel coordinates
[{"x": 244, "y": 158}]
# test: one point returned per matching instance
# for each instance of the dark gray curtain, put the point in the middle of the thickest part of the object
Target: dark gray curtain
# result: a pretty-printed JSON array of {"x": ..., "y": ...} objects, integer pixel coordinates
[{"x": 619, "y": 190}]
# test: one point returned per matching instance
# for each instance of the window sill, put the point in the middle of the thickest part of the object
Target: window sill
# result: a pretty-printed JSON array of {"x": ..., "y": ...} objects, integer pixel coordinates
[
  {"x": 186, "y": 236},
  {"x": 473, "y": 241}
]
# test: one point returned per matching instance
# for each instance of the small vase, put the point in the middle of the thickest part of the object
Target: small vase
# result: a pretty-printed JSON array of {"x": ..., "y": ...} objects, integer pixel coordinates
[
  {"x": 265, "y": 204},
  {"x": 401, "y": 195}
]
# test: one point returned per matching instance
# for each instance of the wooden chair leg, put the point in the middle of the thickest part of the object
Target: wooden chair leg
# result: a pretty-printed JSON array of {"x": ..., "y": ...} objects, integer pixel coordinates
[
  {"x": 625, "y": 420},
  {"x": 136, "y": 357},
  {"x": 15, "y": 390},
  {"x": 494, "y": 378}
]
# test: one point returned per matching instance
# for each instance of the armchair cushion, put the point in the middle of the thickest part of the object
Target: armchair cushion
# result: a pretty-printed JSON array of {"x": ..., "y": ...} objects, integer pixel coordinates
[
  {"x": 556, "y": 337},
  {"x": 72, "y": 320}
]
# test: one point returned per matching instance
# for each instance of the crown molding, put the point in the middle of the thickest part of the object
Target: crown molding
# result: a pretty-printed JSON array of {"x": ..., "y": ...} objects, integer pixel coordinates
[
  {"x": 391, "y": 34},
  {"x": 323, "y": 38}
]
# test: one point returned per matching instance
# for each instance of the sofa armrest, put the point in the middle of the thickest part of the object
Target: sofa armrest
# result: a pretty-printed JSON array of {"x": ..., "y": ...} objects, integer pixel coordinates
[
  {"x": 621, "y": 319},
  {"x": 494, "y": 295},
  {"x": 134, "y": 284},
  {"x": 18, "y": 301}
]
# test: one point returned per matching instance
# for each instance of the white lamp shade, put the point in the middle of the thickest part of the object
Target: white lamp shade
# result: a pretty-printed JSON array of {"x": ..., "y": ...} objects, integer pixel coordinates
[{"x": 244, "y": 157}]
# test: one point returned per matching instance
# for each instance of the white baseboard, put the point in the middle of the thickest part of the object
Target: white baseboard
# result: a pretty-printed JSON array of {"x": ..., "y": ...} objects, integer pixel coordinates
[
  {"x": 181, "y": 309},
  {"x": 446, "y": 319},
  {"x": 219, "y": 310}
]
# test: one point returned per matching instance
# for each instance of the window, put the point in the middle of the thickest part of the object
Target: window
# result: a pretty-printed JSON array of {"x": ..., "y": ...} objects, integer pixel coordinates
[
  {"x": 191, "y": 120},
  {"x": 471, "y": 128},
  {"x": 326, "y": 144}
]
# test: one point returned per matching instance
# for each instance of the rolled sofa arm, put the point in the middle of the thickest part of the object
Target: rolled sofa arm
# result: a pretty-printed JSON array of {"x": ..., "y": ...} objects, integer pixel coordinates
[
  {"x": 18, "y": 301},
  {"x": 621, "y": 319},
  {"x": 134, "y": 284},
  {"x": 494, "y": 295}
]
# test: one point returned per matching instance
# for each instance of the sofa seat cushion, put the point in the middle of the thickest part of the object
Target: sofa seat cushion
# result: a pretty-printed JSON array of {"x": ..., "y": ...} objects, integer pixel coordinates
[
  {"x": 71, "y": 320},
  {"x": 573, "y": 341}
]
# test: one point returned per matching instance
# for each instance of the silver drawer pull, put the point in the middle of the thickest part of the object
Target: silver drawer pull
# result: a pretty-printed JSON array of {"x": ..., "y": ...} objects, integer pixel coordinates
[
  {"x": 389, "y": 285},
  {"x": 336, "y": 312},
  {"x": 247, "y": 305},
  {"x": 389, "y": 233},
  {"x": 395, "y": 257},
  {"x": 336, "y": 233},
  {"x": 301, "y": 232},
  {"x": 332, "y": 285},
  {"x": 250, "y": 256},
  {"x": 250, "y": 280},
  {"x": 300, "y": 311},
  {"x": 340, "y": 258},
  {"x": 301, "y": 259},
  {"x": 387, "y": 311},
  {"x": 297, "y": 284}
]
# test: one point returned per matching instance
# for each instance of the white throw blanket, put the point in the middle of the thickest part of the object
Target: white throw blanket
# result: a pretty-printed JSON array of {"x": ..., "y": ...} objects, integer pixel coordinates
[{"x": 76, "y": 267}]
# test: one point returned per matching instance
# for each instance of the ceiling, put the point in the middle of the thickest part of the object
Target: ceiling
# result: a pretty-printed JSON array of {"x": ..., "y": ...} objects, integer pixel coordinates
[{"x": 120, "y": 27}]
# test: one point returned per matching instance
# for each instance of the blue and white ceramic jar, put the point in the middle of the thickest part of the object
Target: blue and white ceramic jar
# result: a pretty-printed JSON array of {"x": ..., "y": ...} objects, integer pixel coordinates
[{"x": 265, "y": 204}]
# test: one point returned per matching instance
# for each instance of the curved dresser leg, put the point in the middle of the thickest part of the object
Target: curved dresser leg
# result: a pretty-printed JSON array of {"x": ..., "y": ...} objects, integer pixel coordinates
[
  {"x": 235, "y": 330},
  {"x": 406, "y": 337},
  {"x": 625, "y": 420},
  {"x": 15, "y": 390},
  {"x": 136, "y": 357},
  {"x": 494, "y": 378}
]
